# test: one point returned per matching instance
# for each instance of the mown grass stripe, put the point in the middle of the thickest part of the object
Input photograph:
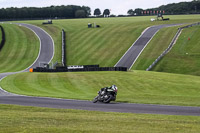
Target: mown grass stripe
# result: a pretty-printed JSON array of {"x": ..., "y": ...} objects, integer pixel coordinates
[
  {"x": 22, "y": 46},
  {"x": 88, "y": 50},
  {"x": 109, "y": 56},
  {"x": 64, "y": 79},
  {"x": 102, "y": 47},
  {"x": 9, "y": 49},
  {"x": 84, "y": 46},
  {"x": 55, "y": 87},
  {"x": 20, "y": 50},
  {"x": 36, "y": 87}
]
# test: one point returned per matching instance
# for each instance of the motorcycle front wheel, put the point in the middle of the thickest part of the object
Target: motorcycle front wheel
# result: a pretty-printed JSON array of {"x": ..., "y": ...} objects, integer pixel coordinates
[
  {"x": 95, "y": 99},
  {"x": 110, "y": 97}
]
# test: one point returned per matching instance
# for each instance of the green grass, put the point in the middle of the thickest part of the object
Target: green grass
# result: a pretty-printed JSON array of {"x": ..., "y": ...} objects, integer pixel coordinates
[
  {"x": 40, "y": 120},
  {"x": 106, "y": 45},
  {"x": 134, "y": 87},
  {"x": 184, "y": 57},
  {"x": 20, "y": 50}
]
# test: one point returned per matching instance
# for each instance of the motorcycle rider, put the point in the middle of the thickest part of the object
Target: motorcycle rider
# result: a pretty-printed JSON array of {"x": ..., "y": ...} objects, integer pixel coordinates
[
  {"x": 106, "y": 89},
  {"x": 106, "y": 94}
]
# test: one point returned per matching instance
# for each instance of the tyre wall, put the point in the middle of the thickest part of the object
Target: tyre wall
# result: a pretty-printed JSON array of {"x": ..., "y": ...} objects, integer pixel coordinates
[{"x": 3, "y": 37}]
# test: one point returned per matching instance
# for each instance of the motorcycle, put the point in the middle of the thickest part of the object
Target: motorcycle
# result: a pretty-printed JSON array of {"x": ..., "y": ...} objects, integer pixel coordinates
[{"x": 106, "y": 95}]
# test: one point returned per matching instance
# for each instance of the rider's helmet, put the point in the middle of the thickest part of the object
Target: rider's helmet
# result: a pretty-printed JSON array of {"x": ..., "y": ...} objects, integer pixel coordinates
[{"x": 114, "y": 87}]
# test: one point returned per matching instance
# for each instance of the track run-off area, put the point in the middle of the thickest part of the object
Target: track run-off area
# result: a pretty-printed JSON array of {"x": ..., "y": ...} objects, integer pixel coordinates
[{"x": 46, "y": 54}]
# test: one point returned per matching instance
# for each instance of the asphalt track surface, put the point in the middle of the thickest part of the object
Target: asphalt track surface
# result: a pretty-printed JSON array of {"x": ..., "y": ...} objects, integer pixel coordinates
[
  {"x": 88, "y": 105},
  {"x": 46, "y": 54}
]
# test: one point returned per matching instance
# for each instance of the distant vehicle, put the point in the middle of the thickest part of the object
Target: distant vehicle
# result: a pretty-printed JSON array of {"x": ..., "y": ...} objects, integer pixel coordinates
[
  {"x": 48, "y": 22},
  {"x": 106, "y": 95}
]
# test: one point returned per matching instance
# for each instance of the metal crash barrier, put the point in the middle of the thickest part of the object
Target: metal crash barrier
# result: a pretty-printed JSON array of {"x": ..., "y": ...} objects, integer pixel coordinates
[{"x": 84, "y": 68}]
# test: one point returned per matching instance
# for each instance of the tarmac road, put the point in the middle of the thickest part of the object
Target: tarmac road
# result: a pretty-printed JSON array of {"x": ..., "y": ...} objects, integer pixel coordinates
[
  {"x": 88, "y": 105},
  {"x": 46, "y": 54},
  {"x": 46, "y": 45}
]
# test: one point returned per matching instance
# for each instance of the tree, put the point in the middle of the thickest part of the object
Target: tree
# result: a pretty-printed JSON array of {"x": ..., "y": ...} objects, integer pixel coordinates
[
  {"x": 106, "y": 13},
  {"x": 80, "y": 14},
  {"x": 130, "y": 12},
  {"x": 70, "y": 11},
  {"x": 87, "y": 10},
  {"x": 138, "y": 11},
  {"x": 97, "y": 12}
]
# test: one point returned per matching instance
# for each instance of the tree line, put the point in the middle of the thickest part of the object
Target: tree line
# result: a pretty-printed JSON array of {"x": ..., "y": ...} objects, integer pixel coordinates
[
  {"x": 192, "y": 7},
  {"x": 73, "y": 11},
  {"x": 70, "y": 11}
]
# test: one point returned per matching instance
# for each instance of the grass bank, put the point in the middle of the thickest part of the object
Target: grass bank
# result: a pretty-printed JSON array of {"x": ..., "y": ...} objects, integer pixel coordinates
[
  {"x": 155, "y": 48},
  {"x": 102, "y": 46},
  {"x": 134, "y": 87},
  {"x": 20, "y": 50},
  {"x": 105, "y": 45},
  {"x": 40, "y": 120},
  {"x": 184, "y": 57}
]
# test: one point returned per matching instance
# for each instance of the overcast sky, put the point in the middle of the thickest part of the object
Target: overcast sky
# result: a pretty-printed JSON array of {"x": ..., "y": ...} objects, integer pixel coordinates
[{"x": 117, "y": 6}]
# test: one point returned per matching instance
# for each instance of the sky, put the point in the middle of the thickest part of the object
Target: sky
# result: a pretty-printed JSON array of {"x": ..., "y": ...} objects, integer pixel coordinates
[{"x": 117, "y": 7}]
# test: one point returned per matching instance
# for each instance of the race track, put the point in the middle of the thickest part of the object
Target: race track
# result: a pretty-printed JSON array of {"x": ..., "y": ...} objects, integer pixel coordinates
[{"x": 46, "y": 54}]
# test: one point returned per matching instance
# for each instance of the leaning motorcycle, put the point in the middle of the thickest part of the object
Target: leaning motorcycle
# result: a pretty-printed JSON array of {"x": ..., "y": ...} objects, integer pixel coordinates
[{"x": 106, "y": 95}]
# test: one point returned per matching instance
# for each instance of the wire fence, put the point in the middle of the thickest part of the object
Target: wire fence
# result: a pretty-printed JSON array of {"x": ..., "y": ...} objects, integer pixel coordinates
[{"x": 171, "y": 45}]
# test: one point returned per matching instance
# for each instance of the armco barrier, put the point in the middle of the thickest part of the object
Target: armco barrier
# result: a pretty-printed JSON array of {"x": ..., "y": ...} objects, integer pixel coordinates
[
  {"x": 63, "y": 49},
  {"x": 3, "y": 38},
  {"x": 85, "y": 69},
  {"x": 170, "y": 46}
]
